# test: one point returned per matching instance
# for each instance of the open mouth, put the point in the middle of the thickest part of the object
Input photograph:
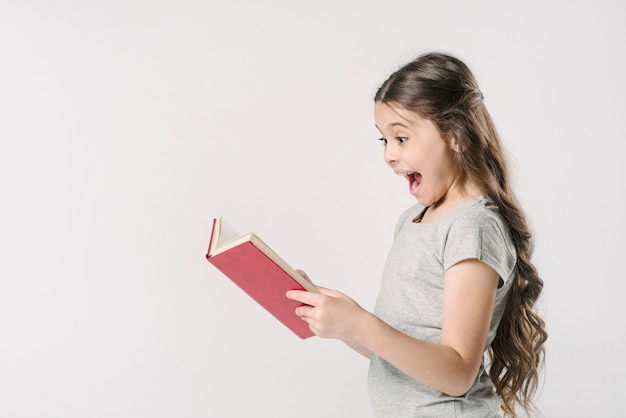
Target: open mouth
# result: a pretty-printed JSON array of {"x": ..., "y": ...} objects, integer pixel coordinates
[{"x": 415, "y": 180}]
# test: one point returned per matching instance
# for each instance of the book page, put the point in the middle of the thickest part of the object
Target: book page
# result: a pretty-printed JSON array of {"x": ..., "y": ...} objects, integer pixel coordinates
[{"x": 227, "y": 232}]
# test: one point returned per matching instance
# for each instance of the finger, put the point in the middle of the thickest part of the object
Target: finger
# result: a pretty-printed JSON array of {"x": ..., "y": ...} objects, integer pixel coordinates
[
  {"x": 305, "y": 312},
  {"x": 302, "y": 296}
]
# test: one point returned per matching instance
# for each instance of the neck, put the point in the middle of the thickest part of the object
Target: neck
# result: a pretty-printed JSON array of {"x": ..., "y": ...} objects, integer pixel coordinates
[{"x": 456, "y": 195}]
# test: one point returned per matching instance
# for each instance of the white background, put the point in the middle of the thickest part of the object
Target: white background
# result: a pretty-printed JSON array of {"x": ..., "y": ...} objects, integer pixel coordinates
[{"x": 126, "y": 126}]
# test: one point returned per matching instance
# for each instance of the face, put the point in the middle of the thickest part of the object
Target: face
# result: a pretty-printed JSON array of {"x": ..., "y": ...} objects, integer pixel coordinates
[{"x": 415, "y": 149}]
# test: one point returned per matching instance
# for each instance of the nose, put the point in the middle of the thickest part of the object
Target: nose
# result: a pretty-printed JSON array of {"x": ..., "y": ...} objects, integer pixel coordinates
[{"x": 390, "y": 155}]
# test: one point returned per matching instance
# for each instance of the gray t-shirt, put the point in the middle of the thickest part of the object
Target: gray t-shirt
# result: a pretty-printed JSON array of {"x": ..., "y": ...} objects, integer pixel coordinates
[{"x": 410, "y": 300}]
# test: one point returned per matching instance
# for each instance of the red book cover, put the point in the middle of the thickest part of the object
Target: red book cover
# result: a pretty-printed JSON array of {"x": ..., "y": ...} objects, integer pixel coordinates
[{"x": 249, "y": 266}]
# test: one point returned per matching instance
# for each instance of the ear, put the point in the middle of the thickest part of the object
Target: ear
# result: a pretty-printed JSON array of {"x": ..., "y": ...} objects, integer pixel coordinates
[{"x": 454, "y": 144}]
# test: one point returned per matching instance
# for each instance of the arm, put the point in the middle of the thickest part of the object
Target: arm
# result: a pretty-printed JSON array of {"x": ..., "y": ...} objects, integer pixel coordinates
[
  {"x": 449, "y": 366},
  {"x": 358, "y": 348}
]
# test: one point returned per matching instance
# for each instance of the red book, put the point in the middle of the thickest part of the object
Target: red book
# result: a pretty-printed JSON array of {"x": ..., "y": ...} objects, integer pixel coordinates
[{"x": 260, "y": 272}]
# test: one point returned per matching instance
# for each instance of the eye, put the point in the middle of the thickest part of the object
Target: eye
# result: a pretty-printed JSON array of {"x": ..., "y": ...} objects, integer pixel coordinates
[
  {"x": 383, "y": 140},
  {"x": 401, "y": 139}
]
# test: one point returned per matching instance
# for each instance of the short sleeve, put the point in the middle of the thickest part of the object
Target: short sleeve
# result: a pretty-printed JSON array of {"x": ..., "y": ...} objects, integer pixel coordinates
[{"x": 483, "y": 236}]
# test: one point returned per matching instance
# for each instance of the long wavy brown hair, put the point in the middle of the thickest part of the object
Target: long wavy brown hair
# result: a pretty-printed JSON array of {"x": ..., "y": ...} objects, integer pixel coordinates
[{"x": 440, "y": 87}]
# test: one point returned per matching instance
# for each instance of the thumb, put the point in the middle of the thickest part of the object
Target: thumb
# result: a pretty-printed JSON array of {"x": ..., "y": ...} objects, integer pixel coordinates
[{"x": 304, "y": 275}]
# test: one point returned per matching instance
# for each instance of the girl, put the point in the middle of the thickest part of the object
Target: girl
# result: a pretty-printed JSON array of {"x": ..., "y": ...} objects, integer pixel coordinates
[{"x": 458, "y": 280}]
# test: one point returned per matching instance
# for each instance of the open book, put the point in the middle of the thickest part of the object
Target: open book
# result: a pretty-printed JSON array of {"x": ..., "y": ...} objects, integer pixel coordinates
[{"x": 260, "y": 272}]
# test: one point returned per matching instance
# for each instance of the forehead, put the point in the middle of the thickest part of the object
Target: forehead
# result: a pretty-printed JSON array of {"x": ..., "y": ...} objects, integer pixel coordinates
[{"x": 391, "y": 115}]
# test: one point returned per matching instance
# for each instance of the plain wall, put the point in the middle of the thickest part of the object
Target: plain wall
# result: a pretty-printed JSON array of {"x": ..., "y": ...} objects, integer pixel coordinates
[{"x": 126, "y": 126}]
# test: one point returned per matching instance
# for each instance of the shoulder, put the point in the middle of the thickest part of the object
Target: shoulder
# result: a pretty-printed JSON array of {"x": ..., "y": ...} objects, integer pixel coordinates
[
  {"x": 478, "y": 230},
  {"x": 478, "y": 215}
]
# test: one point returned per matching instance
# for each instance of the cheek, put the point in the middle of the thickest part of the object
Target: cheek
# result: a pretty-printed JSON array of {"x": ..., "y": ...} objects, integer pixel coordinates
[{"x": 446, "y": 160}]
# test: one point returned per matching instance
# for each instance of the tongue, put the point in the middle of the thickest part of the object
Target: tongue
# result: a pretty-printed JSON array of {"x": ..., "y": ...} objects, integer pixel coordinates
[{"x": 415, "y": 181}]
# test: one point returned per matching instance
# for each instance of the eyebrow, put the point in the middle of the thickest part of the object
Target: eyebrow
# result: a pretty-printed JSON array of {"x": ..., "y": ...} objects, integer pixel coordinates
[{"x": 394, "y": 124}]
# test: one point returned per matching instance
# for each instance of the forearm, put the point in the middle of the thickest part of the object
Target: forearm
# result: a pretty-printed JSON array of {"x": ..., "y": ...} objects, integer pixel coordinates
[
  {"x": 358, "y": 348},
  {"x": 438, "y": 366}
]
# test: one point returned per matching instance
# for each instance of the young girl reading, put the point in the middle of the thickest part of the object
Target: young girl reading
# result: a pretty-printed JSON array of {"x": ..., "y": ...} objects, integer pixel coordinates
[{"x": 458, "y": 281}]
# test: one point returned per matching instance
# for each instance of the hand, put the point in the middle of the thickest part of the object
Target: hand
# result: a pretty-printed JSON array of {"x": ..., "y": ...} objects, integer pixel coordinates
[{"x": 329, "y": 313}]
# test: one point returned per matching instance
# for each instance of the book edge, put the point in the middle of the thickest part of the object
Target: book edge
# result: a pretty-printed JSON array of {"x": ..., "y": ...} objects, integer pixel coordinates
[{"x": 208, "y": 251}]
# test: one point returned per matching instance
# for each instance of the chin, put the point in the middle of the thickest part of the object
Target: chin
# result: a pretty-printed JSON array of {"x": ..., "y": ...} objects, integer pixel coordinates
[{"x": 426, "y": 202}]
